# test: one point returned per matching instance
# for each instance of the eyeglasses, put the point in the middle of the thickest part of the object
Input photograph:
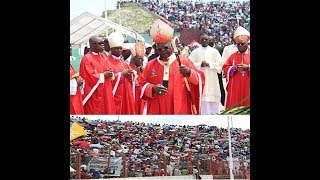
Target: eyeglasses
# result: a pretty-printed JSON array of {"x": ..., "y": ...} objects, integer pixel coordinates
[
  {"x": 163, "y": 48},
  {"x": 119, "y": 48},
  {"x": 240, "y": 44}
]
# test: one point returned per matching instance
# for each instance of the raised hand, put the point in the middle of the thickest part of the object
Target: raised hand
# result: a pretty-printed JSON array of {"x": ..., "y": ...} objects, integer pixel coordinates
[
  {"x": 184, "y": 70},
  {"x": 79, "y": 80}
]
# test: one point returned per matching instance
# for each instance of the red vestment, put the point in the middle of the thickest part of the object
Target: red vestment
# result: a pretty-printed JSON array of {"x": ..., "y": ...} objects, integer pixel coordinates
[
  {"x": 123, "y": 95},
  {"x": 139, "y": 103},
  {"x": 177, "y": 100},
  {"x": 75, "y": 100},
  {"x": 238, "y": 83},
  {"x": 101, "y": 100}
]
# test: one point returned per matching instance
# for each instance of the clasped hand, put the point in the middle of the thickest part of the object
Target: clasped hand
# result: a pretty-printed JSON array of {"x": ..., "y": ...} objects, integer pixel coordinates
[
  {"x": 204, "y": 64},
  {"x": 108, "y": 73},
  {"x": 127, "y": 72},
  {"x": 159, "y": 89},
  {"x": 242, "y": 67}
]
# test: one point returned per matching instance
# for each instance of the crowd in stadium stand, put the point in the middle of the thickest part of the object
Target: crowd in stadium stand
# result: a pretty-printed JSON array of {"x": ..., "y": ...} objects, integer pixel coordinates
[
  {"x": 145, "y": 145},
  {"x": 217, "y": 18}
]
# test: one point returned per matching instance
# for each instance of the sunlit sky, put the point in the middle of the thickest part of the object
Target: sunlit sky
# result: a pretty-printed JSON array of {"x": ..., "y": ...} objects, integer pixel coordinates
[
  {"x": 95, "y": 7},
  {"x": 238, "y": 121}
]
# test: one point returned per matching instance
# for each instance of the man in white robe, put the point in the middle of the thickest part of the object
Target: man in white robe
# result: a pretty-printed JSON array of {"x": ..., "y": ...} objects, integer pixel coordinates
[{"x": 208, "y": 60}]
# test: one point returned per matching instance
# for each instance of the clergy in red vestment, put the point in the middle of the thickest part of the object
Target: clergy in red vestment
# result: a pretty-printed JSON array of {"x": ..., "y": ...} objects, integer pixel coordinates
[
  {"x": 137, "y": 59},
  {"x": 106, "y": 50},
  {"x": 76, "y": 90},
  {"x": 163, "y": 80},
  {"x": 237, "y": 70},
  {"x": 123, "y": 86},
  {"x": 97, "y": 74}
]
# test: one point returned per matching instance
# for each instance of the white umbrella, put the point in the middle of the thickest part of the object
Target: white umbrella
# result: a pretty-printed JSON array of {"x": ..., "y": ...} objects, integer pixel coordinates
[
  {"x": 72, "y": 170},
  {"x": 96, "y": 146}
]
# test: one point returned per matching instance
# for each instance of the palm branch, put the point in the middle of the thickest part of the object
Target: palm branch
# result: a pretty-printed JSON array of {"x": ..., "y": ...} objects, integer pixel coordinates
[{"x": 242, "y": 110}]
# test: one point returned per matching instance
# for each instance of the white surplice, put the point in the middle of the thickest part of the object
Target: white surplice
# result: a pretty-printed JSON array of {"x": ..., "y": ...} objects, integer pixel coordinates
[{"x": 211, "y": 93}]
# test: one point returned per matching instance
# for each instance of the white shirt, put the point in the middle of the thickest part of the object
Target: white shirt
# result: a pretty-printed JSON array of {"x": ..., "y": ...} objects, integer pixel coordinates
[
  {"x": 227, "y": 51},
  {"x": 137, "y": 151}
]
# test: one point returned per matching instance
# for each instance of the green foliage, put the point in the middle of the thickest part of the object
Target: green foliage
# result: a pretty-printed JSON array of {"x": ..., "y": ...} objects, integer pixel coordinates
[
  {"x": 243, "y": 110},
  {"x": 132, "y": 16},
  {"x": 234, "y": 110}
]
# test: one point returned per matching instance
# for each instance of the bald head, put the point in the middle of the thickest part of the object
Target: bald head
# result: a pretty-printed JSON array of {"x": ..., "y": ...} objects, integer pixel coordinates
[
  {"x": 204, "y": 40},
  {"x": 96, "y": 44},
  {"x": 94, "y": 39}
]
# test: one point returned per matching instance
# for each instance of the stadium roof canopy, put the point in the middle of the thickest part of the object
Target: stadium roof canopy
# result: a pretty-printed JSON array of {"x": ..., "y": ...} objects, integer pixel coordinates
[{"x": 86, "y": 25}]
